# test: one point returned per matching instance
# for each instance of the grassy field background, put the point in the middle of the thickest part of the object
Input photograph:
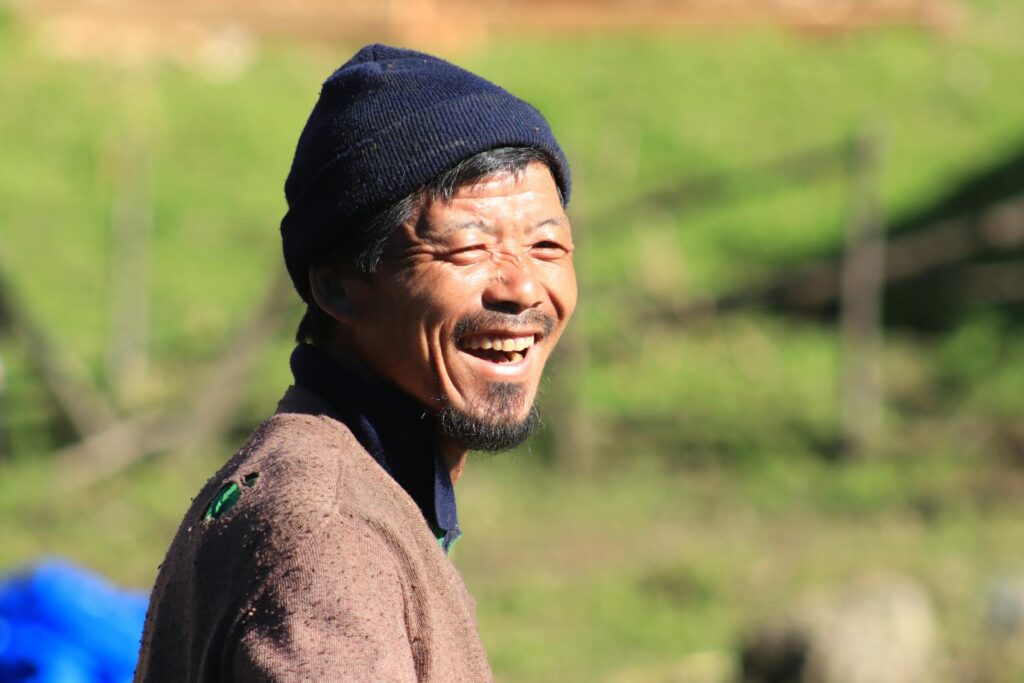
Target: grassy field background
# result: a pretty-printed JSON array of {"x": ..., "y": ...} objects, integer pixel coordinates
[{"x": 716, "y": 499}]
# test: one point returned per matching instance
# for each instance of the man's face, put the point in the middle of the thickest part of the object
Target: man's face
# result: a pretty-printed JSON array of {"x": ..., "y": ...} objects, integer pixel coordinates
[{"x": 471, "y": 297}]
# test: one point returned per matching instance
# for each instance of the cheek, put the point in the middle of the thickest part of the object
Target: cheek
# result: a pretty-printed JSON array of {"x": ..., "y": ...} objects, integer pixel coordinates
[
  {"x": 562, "y": 289},
  {"x": 419, "y": 310},
  {"x": 390, "y": 328},
  {"x": 443, "y": 291}
]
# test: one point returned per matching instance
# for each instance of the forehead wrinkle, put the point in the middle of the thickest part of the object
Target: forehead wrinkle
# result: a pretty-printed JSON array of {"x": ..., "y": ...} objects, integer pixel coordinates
[
  {"x": 476, "y": 204},
  {"x": 453, "y": 226},
  {"x": 491, "y": 229},
  {"x": 428, "y": 230}
]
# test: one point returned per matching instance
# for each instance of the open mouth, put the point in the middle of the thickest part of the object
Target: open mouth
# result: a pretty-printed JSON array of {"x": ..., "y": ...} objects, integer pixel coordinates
[{"x": 498, "y": 349}]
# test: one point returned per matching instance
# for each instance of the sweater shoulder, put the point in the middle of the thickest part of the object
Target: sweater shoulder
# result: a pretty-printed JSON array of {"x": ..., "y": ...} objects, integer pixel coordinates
[{"x": 293, "y": 474}]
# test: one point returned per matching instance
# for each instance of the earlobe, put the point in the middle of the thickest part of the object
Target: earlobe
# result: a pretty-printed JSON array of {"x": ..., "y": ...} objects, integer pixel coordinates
[{"x": 331, "y": 293}]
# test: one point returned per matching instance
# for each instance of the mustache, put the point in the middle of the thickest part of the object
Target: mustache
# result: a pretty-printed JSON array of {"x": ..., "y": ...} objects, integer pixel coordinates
[{"x": 487, "y": 320}]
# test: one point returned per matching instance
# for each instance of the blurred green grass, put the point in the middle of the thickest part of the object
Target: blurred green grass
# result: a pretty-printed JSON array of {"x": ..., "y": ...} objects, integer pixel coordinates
[{"x": 715, "y": 502}]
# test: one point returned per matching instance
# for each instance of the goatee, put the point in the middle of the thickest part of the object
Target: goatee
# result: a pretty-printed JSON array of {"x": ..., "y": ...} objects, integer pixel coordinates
[{"x": 487, "y": 427}]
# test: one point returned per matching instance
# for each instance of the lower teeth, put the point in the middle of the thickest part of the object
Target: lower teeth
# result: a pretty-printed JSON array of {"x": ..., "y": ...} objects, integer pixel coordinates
[{"x": 500, "y": 356}]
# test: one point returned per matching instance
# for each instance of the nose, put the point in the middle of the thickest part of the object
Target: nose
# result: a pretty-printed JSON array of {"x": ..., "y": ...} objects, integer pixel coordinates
[{"x": 515, "y": 286}]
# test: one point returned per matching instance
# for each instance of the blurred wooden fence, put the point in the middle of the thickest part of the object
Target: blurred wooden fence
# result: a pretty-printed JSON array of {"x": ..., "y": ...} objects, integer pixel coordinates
[
  {"x": 858, "y": 279},
  {"x": 109, "y": 439},
  {"x": 851, "y": 283}
]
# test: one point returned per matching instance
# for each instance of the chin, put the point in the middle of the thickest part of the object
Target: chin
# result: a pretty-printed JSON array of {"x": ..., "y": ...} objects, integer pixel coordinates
[{"x": 499, "y": 422}]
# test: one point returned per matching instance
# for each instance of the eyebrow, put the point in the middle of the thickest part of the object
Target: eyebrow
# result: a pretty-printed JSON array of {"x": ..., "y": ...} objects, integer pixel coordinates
[{"x": 449, "y": 228}]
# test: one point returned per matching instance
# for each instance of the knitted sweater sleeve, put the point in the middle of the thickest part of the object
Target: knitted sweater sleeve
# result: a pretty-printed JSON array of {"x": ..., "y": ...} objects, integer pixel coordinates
[{"x": 332, "y": 609}]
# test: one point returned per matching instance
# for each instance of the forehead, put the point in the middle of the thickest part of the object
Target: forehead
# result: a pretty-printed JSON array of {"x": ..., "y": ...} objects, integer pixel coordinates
[{"x": 500, "y": 200}]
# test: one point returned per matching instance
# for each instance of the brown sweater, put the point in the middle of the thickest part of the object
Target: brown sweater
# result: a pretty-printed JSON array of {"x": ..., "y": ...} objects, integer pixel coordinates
[{"x": 323, "y": 570}]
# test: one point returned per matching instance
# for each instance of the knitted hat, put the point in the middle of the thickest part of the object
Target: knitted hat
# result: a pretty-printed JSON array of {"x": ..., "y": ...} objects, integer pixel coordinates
[{"x": 389, "y": 121}]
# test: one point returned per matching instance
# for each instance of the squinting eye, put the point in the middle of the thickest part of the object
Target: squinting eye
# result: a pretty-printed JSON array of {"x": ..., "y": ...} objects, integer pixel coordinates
[
  {"x": 467, "y": 254},
  {"x": 549, "y": 249}
]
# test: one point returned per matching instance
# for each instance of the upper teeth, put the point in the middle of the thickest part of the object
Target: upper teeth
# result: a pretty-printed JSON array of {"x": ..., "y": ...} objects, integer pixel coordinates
[{"x": 499, "y": 343}]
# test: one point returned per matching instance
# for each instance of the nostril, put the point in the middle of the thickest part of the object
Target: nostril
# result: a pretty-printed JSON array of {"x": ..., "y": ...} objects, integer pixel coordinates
[{"x": 505, "y": 307}]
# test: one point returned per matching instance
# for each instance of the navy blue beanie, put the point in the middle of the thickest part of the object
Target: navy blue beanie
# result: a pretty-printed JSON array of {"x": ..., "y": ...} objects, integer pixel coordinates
[{"x": 389, "y": 121}]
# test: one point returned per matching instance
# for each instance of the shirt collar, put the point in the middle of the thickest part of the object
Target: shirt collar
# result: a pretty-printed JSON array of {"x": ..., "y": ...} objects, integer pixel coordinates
[{"x": 392, "y": 427}]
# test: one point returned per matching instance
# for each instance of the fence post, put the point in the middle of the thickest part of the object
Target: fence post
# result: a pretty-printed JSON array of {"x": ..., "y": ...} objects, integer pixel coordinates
[
  {"x": 860, "y": 304},
  {"x": 132, "y": 227}
]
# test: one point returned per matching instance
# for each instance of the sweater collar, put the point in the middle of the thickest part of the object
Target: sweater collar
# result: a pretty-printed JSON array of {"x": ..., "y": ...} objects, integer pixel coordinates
[{"x": 392, "y": 427}]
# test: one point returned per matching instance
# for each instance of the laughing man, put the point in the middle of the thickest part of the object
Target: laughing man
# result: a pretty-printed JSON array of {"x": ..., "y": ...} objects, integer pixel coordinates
[{"x": 427, "y": 235}]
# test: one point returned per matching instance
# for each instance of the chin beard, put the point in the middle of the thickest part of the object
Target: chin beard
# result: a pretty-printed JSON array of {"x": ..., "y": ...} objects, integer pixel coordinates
[{"x": 487, "y": 427}]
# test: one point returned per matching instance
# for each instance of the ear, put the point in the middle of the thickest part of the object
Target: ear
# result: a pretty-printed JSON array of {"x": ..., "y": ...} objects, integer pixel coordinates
[{"x": 336, "y": 291}]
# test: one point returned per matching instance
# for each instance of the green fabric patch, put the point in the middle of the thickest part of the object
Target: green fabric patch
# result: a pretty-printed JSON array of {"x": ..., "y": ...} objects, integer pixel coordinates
[
  {"x": 440, "y": 541},
  {"x": 451, "y": 546},
  {"x": 224, "y": 500},
  {"x": 228, "y": 496}
]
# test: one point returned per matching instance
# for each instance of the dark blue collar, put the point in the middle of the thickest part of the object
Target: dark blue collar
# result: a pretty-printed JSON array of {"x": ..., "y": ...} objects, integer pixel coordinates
[{"x": 395, "y": 429}]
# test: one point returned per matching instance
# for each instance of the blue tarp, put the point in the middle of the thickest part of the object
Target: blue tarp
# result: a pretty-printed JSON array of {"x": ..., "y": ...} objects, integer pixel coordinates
[{"x": 60, "y": 624}]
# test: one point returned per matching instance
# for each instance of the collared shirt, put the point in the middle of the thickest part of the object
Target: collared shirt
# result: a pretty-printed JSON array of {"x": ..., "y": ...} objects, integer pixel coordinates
[{"x": 396, "y": 430}]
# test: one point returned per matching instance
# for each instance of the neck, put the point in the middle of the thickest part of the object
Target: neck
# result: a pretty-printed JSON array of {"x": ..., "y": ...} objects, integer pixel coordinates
[
  {"x": 454, "y": 457},
  {"x": 453, "y": 454}
]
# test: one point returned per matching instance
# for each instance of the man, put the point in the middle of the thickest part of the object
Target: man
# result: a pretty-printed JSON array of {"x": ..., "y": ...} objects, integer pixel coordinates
[{"x": 426, "y": 233}]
